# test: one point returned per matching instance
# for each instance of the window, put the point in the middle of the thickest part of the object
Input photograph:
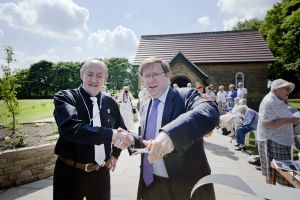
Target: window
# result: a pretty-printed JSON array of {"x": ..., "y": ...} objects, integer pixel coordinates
[{"x": 239, "y": 77}]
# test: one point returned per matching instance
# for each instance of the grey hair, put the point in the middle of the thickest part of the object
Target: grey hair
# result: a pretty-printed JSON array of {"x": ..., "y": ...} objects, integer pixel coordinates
[
  {"x": 149, "y": 61},
  {"x": 95, "y": 62}
]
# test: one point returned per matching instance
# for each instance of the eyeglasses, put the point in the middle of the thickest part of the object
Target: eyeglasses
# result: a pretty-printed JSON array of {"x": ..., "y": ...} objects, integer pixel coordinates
[{"x": 154, "y": 75}]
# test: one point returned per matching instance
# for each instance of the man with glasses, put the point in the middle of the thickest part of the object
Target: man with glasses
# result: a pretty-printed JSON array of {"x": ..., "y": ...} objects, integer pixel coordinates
[{"x": 173, "y": 123}]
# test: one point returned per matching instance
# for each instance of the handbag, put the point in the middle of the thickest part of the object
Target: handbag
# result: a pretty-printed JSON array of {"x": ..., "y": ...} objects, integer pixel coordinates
[{"x": 133, "y": 109}]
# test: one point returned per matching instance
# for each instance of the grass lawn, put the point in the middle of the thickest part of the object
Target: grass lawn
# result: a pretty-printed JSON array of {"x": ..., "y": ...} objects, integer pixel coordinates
[
  {"x": 295, "y": 103},
  {"x": 30, "y": 110}
]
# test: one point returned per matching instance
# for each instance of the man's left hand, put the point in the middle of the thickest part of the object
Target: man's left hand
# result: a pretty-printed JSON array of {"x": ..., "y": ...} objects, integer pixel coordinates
[
  {"x": 159, "y": 147},
  {"x": 111, "y": 163}
]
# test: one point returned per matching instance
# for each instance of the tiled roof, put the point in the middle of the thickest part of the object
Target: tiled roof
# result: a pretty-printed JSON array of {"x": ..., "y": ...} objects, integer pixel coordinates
[{"x": 208, "y": 47}]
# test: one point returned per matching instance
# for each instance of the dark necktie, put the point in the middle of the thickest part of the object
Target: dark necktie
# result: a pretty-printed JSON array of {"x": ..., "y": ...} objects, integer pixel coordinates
[{"x": 149, "y": 135}]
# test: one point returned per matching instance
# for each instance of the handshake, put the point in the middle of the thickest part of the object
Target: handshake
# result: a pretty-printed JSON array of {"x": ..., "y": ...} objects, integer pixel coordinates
[
  {"x": 122, "y": 139},
  {"x": 156, "y": 148}
]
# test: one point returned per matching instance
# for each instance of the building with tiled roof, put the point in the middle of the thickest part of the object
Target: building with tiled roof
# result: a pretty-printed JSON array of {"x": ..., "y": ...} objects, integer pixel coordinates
[{"x": 217, "y": 58}]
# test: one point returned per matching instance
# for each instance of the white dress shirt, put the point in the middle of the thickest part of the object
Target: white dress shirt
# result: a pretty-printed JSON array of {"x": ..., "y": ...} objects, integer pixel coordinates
[{"x": 159, "y": 167}]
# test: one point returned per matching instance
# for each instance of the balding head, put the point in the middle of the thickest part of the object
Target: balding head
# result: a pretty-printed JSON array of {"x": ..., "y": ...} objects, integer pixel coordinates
[
  {"x": 93, "y": 62},
  {"x": 93, "y": 74}
]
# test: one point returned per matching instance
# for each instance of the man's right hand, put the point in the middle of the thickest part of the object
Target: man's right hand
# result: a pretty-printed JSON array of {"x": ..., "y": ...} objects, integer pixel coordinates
[{"x": 122, "y": 139}]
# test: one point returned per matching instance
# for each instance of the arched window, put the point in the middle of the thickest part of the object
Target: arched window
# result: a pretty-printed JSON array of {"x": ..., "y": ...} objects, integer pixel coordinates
[{"x": 239, "y": 77}]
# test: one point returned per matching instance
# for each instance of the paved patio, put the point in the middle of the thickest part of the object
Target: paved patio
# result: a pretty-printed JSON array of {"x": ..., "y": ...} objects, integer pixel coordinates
[{"x": 222, "y": 157}]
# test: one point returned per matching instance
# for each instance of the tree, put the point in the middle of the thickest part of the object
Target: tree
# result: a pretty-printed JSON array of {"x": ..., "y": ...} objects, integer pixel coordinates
[
  {"x": 252, "y": 24},
  {"x": 23, "y": 91},
  {"x": 8, "y": 86},
  {"x": 65, "y": 75},
  {"x": 39, "y": 79},
  {"x": 121, "y": 73},
  {"x": 281, "y": 30}
]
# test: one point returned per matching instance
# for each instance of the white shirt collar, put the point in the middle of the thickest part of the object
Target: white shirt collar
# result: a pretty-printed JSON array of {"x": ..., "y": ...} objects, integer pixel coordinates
[{"x": 163, "y": 97}]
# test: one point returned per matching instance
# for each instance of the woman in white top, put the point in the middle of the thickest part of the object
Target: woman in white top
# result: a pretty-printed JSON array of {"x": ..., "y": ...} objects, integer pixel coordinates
[
  {"x": 242, "y": 91},
  {"x": 221, "y": 99},
  {"x": 125, "y": 98},
  {"x": 275, "y": 127}
]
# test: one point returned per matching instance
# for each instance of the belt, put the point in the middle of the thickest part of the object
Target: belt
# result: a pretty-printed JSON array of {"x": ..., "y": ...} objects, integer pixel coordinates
[{"x": 86, "y": 167}]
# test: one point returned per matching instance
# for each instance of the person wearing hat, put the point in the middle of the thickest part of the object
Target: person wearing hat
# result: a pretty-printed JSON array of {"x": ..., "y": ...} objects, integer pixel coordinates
[{"x": 275, "y": 127}]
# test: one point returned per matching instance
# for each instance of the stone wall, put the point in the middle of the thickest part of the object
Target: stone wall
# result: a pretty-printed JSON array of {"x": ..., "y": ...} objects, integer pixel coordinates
[
  {"x": 19, "y": 166},
  {"x": 256, "y": 75},
  {"x": 180, "y": 69}
]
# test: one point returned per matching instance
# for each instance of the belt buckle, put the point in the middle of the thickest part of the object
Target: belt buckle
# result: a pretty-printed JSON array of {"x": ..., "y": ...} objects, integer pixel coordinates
[{"x": 86, "y": 167}]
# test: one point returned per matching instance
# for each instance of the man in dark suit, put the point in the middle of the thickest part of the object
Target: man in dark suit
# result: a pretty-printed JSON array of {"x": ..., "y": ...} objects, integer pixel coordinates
[
  {"x": 173, "y": 124},
  {"x": 87, "y": 120}
]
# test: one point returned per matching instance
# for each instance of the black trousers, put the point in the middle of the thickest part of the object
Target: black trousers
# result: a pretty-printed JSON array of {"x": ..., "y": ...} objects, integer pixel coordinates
[
  {"x": 70, "y": 183},
  {"x": 161, "y": 189}
]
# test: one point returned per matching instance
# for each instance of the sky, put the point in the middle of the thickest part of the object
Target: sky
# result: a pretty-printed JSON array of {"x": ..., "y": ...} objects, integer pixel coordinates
[{"x": 76, "y": 30}]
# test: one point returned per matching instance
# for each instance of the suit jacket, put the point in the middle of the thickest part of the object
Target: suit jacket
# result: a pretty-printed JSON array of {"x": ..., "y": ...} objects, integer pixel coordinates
[
  {"x": 186, "y": 119},
  {"x": 77, "y": 135}
]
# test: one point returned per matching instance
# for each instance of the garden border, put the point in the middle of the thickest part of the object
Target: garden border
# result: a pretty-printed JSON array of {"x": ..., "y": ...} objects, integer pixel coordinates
[{"x": 23, "y": 165}]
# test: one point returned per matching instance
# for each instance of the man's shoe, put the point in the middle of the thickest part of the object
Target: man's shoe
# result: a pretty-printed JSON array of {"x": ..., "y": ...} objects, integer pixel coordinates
[
  {"x": 241, "y": 148},
  {"x": 236, "y": 145},
  {"x": 255, "y": 162}
]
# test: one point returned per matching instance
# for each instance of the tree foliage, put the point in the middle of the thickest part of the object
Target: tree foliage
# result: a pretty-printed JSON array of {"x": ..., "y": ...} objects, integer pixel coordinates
[
  {"x": 8, "y": 88},
  {"x": 43, "y": 79},
  {"x": 39, "y": 78},
  {"x": 65, "y": 75},
  {"x": 281, "y": 29},
  {"x": 121, "y": 73},
  {"x": 252, "y": 24}
]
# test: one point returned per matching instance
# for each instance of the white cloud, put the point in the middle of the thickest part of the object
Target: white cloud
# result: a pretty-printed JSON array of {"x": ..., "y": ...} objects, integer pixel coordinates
[
  {"x": 230, "y": 23},
  {"x": 51, "y": 51},
  {"x": 53, "y": 18},
  {"x": 118, "y": 40},
  {"x": 1, "y": 32},
  {"x": 204, "y": 20},
  {"x": 246, "y": 9},
  {"x": 78, "y": 49}
]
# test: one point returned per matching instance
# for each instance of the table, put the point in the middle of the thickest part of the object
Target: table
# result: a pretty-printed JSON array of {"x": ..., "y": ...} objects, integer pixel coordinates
[{"x": 286, "y": 174}]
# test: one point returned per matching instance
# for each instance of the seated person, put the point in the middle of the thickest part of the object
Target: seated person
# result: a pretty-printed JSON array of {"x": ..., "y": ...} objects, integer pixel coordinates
[
  {"x": 230, "y": 121},
  {"x": 249, "y": 124},
  {"x": 228, "y": 105},
  {"x": 243, "y": 102},
  {"x": 236, "y": 105}
]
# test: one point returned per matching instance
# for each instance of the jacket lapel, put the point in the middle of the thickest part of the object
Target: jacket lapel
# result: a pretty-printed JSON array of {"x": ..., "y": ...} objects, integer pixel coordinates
[
  {"x": 145, "y": 111},
  {"x": 169, "y": 108}
]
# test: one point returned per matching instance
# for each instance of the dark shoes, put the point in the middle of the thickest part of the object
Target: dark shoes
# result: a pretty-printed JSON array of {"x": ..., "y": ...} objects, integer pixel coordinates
[
  {"x": 254, "y": 162},
  {"x": 225, "y": 132},
  {"x": 241, "y": 148},
  {"x": 236, "y": 145}
]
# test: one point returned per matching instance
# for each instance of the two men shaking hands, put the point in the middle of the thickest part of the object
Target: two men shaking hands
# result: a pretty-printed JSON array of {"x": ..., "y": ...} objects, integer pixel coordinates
[{"x": 156, "y": 148}]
